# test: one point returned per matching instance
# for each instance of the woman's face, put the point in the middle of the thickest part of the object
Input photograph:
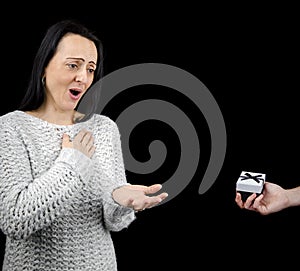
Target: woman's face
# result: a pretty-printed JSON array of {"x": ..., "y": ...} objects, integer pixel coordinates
[{"x": 70, "y": 72}]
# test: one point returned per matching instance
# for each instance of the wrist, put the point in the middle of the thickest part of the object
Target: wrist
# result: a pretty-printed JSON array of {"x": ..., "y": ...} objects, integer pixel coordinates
[{"x": 293, "y": 196}]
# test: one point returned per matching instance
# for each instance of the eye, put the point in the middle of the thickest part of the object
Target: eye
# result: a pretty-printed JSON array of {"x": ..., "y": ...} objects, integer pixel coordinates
[
  {"x": 91, "y": 70},
  {"x": 72, "y": 66}
]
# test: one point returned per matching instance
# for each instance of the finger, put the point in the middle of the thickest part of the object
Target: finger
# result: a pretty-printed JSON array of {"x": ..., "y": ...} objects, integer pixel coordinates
[
  {"x": 163, "y": 195},
  {"x": 238, "y": 200},
  {"x": 80, "y": 135},
  {"x": 147, "y": 189},
  {"x": 238, "y": 197},
  {"x": 142, "y": 203},
  {"x": 87, "y": 139},
  {"x": 249, "y": 201},
  {"x": 138, "y": 187},
  {"x": 153, "y": 188},
  {"x": 90, "y": 145},
  {"x": 137, "y": 206},
  {"x": 152, "y": 201},
  {"x": 91, "y": 151},
  {"x": 257, "y": 201}
]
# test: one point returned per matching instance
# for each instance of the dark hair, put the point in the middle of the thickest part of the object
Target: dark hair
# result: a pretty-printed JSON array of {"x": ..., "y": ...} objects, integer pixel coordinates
[{"x": 35, "y": 93}]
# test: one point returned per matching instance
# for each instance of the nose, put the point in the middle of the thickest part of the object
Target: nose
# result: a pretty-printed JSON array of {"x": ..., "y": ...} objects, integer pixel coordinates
[{"x": 81, "y": 76}]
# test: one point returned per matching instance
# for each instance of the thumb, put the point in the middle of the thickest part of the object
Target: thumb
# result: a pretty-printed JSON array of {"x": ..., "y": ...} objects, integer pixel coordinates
[
  {"x": 65, "y": 141},
  {"x": 66, "y": 138}
]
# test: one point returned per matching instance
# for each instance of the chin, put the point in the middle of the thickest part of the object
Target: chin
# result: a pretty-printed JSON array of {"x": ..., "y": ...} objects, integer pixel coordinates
[{"x": 70, "y": 106}]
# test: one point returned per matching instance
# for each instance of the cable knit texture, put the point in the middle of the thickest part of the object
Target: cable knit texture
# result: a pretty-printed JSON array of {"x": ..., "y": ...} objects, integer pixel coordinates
[{"x": 56, "y": 208}]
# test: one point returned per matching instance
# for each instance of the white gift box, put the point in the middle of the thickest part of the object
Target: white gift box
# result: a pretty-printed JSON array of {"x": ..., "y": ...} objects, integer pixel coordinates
[{"x": 250, "y": 182}]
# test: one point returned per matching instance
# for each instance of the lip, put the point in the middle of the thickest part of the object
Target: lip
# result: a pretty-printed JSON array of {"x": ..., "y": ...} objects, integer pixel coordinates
[{"x": 75, "y": 97}]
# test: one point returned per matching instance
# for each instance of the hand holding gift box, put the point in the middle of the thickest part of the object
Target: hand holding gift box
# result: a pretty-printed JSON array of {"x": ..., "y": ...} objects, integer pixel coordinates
[
  {"x": 249, "y": 183},
  {"x": 273, "y": 198}
]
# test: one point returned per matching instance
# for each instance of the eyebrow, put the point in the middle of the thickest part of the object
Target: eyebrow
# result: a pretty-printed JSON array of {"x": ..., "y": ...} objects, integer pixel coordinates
[{"x": 79, "y": 58}]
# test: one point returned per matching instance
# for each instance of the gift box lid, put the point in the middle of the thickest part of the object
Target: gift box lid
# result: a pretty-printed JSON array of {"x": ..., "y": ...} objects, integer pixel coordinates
[{"x": 251, "y": 182}]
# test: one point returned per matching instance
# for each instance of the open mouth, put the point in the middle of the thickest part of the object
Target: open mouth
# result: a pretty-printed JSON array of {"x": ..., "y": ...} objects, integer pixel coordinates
[{"x": 75, "y": 94}]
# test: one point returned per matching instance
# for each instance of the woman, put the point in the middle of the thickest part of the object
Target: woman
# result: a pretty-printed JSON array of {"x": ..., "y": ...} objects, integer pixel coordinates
[{"x": 62, "y": 178}]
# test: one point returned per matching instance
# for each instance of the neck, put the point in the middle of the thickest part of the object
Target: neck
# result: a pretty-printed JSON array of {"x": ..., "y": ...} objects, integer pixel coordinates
[{"x": 55, "y": 116}]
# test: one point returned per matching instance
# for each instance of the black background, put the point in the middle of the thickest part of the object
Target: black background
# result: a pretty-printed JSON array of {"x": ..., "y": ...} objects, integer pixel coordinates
[{"x": 247, "y": 56}]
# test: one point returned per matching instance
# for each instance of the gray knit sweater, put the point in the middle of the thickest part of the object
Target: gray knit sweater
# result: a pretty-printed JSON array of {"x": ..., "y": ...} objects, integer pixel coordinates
[{"x": 56, "y": 208}]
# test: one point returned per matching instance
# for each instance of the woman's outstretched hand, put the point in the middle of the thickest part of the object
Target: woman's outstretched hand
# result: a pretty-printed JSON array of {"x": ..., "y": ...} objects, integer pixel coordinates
[{"x": 139, "y": 197}]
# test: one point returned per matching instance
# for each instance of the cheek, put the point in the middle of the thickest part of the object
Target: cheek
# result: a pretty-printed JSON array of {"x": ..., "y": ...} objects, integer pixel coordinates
[
  {"x": 89, "y": 82},
  {"x": 59, "y": 86},
  {"x": 61, "y": 82},
  {"x": 65, "y": 78}
]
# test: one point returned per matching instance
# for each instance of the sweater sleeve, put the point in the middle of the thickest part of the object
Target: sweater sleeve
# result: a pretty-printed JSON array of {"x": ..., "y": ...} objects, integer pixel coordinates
[
  {"x": 28, "y": 204},
  {"x": 116, "y": 216}
]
